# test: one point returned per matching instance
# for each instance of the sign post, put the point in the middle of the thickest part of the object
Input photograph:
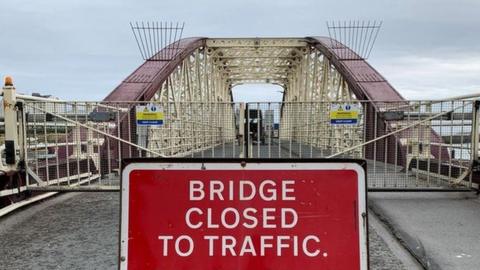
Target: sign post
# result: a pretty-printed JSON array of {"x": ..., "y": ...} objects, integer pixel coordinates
[{"x": 243, "y": 214}]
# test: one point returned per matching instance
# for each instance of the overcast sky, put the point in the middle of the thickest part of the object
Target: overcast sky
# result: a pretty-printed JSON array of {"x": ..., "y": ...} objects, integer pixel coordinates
[{"x": 80, "y": 49}]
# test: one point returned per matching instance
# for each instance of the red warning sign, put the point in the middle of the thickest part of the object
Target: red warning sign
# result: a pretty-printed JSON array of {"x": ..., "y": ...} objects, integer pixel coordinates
[{"x": 222, "y": 215}]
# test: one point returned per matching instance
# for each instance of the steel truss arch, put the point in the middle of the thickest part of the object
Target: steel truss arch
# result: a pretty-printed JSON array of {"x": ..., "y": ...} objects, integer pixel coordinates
[
  {"x": 310, "y": 69},
  {"x": 365, "y": 82}
]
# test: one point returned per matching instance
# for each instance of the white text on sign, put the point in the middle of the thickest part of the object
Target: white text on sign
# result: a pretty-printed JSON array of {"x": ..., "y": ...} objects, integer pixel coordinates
[{"x": 247, "y": 218}]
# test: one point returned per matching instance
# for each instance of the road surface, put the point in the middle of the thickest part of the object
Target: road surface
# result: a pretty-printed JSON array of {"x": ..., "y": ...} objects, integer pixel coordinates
[{"x": 80, "y": 231}]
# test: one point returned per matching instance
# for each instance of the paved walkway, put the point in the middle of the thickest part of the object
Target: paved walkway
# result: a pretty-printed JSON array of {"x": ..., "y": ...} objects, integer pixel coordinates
[{"x": 441, "y": 229}]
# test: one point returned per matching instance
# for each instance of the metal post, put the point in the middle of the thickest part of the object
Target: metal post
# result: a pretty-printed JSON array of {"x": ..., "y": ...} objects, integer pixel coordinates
[
  {"x": 241, "y": 129},
  {"x": 475, "y": 130},
  {"x": 12, "y": 150}
]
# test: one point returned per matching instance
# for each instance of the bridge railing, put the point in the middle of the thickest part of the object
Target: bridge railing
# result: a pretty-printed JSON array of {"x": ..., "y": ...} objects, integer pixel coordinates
[
  {"x": 71, "y": 145},
  {"x": 77, "y": 144},
  {"x": 407, "y": 144},
  {"x": 432, "y": 146}
]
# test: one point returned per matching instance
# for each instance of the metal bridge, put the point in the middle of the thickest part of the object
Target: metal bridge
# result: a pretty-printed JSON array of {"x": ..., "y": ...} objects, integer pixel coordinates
[{"x": 55, "y": 145}]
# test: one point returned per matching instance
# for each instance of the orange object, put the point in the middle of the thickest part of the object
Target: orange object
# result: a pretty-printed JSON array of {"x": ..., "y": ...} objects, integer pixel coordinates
[{"x": 8, "y": 81}]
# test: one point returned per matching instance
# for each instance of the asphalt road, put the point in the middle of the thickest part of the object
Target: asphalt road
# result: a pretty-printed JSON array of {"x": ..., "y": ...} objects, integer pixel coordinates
[{"x": 80, "y": 231}]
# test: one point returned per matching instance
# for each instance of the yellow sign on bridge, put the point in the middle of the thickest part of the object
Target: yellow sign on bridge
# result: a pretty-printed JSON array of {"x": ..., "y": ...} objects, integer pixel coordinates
[
  {"x": 149, "y": 115},
  {"x": 344, "y": 114}
]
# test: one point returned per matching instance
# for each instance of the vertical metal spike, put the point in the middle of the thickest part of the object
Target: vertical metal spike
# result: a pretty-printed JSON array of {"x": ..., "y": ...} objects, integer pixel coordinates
[
  {"x": 354, "y": 39},
  {"x": 157, "y": 41},
  {"x": 374, "y": 39},
  {"x": 136, "y": 40}
]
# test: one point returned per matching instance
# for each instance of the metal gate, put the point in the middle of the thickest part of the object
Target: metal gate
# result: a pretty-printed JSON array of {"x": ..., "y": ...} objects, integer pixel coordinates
[
  {"x": 409, "y": 145},
  {"x": 81, "y": 145}
]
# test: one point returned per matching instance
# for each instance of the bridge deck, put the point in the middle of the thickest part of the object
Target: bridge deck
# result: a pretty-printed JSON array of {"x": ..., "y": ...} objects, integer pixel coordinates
[
  {"x": 381, "y": 175},
  {"x": 80, "y": 231}
]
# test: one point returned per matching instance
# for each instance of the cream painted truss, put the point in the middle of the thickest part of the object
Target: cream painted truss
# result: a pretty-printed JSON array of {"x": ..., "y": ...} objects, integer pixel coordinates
[{"x": 207, "y": 76}]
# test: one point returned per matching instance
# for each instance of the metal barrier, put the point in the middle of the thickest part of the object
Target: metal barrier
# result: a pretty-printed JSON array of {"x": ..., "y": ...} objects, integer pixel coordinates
[
  {"x": 413, "y": 145},
  {"x": 83, "y": 143},
  {"x": 407, "y": 144}
]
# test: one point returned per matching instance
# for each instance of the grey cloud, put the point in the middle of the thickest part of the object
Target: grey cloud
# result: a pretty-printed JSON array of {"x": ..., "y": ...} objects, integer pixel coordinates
[{"x": 83, "y": 49}]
